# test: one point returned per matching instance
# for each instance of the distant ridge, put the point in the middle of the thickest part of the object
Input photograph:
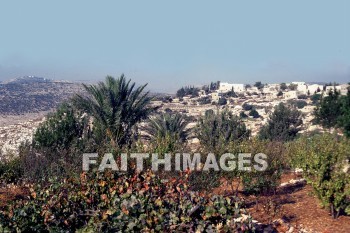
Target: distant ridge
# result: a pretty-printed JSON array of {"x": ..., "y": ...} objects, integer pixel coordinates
[{"x": 32, "y": 79}]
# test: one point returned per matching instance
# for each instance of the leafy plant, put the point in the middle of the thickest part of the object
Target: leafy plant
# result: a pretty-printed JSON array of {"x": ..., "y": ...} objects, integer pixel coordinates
[
  {"x": 324, "y": 160},
  {"x": 128, "y": 203},
  {"x": 216, "y": 130},
  {"x": 117, "y": 106},
  {"x": 283, "y": 124}
]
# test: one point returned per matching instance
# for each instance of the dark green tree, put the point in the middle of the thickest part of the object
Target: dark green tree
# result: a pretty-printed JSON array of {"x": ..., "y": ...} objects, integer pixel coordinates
[
  {"x": 283, "y": 86},
  {"x": 328, "y": 111},
  {"x": 283, "y": 124},
  {"x": 254, "y": 113},
  {"x": 293, "y": 87},
  {"x": 222, "y": 101},
  {"x": 215, "y": 130},
  {"x": 259, "y": 85},
  {"x": 173, "y": 125},
  {"x": 117, "y": 106},
  {"x": 61, "y": 128}
]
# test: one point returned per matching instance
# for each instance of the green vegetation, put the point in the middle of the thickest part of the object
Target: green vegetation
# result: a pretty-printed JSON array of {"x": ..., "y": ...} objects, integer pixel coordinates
[
  {"x": 117, "y": 106},
  {"x": 334, "y": 111},
  {"x": 168, "y": 129},
  {"x": 283, "y": 124},
  {"x": 64, "y": 199},
  {"x": 293, "y": 87},
  {"x": 298, "y": 103},
  {"x": 184, "y": 91},
  {"x": 217, "y": 129},
  {"x": 324, "y": 160},
  {"x": 254, "y": 113},
  {"x": 259, "y": 85},
  {"x": 112, "y": 202},
  {"x": 283, "y": 86}
]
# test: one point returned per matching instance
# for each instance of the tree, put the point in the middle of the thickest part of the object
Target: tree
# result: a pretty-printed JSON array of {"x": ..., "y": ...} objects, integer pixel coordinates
[
  {"x": 298, "y": 103},
  {"x": 283, "y": 86},
  {"x": 254, "y": 113},
  {"x": 280, "y": 93},
  {"x": 204, "y": 100},
  {"x": 315, "y": 98},
  {"x": 327, "y": 112},
  {"x": 243, "y": 115},
  {"x": 183, "y": 91},
  {"x": 302, "y": 97},
  {"x": 168, "y": 124},
  {"x": 334, "y": 111},
  {"x": 247, "y": 86},
  {"x": 293, "y": 87},
  {"x": 283, "y": 124},
  {"x": 259, "y": 85},
  {"x": 61, "y": 128},
  {"x": 117, "y": 105},
  {"x": 247, "y": 107},
  {"x": 344, "y": 118},
  {"x": 222, "y": 101},
  {"x": 215, "y": 130}
]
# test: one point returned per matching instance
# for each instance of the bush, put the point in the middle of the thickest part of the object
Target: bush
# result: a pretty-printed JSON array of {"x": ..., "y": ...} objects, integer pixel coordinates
[
  {"x": 243, "y": 115},
  {"x": 302, "y": 97},
  {"x": 10, "y": 170},
  {"x": 247, "y": 107},
  {"x": 127, "y": 203},
  {"x": 254, "y": 113},
  {"x": 216, "y": 130},
  {"x": 299, "y": 103},
  {"x": 222, "y": 101},
  {"x": 262, "y": 182},
  {"x": 283, "y": 124},
  {"x": 325, "y": 160}
]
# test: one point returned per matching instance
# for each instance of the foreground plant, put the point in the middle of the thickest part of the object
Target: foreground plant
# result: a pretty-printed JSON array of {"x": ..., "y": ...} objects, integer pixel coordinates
[
  {"x": 117, "y": 106},
  {"x": 126, "y": 203},
  {"x": 325, "y": 163}
]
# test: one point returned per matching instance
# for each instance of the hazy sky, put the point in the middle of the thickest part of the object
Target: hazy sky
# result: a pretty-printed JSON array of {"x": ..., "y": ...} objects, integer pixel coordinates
[{"x": 173, "y": 43}]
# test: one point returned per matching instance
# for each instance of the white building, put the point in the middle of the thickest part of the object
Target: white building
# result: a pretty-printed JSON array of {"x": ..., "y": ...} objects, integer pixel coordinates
[
  {"x": 299, "y": 83},
  {"x": 226, "y": 87},
  {"x": 302, "y": 88}
]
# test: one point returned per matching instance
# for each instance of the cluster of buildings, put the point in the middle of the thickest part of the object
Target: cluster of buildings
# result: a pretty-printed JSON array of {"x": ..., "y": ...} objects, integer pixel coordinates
[{"x": 263, "y": 100}]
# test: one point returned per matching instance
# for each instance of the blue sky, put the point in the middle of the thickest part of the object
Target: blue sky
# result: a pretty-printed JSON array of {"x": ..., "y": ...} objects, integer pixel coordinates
[{"x": 169, "y": 44}]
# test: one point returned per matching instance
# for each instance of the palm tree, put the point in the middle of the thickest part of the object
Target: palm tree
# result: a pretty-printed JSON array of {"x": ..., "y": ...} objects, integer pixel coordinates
[
  {"x": 168, "y": 124},
  {"x": 117, "y": 106}
]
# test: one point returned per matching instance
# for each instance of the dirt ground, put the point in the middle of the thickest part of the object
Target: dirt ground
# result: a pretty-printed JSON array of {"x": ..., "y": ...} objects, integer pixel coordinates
[{"x": 294, "y": 205}]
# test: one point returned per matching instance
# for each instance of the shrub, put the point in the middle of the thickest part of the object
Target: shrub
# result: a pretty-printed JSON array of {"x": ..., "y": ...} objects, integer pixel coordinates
[
  {"x": 262, "y": 182},
  {"x": 254, "y": 113},
  {"x": 222, "y": 101},
  {"x": 128, "y": 203},
  {"x": 10, "y": 170},
  {"x": 283, "y": 124},
  {"x": 302, "y": 97},
  {"x": 247, "y": 107},
  {"x": 324, "y": 160},
  {"x": 243, "y": 115},
  {"x": 299, "y": 103},
  {"x": 315, "y": 98},
  {"x": 216, "y": 130}
]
